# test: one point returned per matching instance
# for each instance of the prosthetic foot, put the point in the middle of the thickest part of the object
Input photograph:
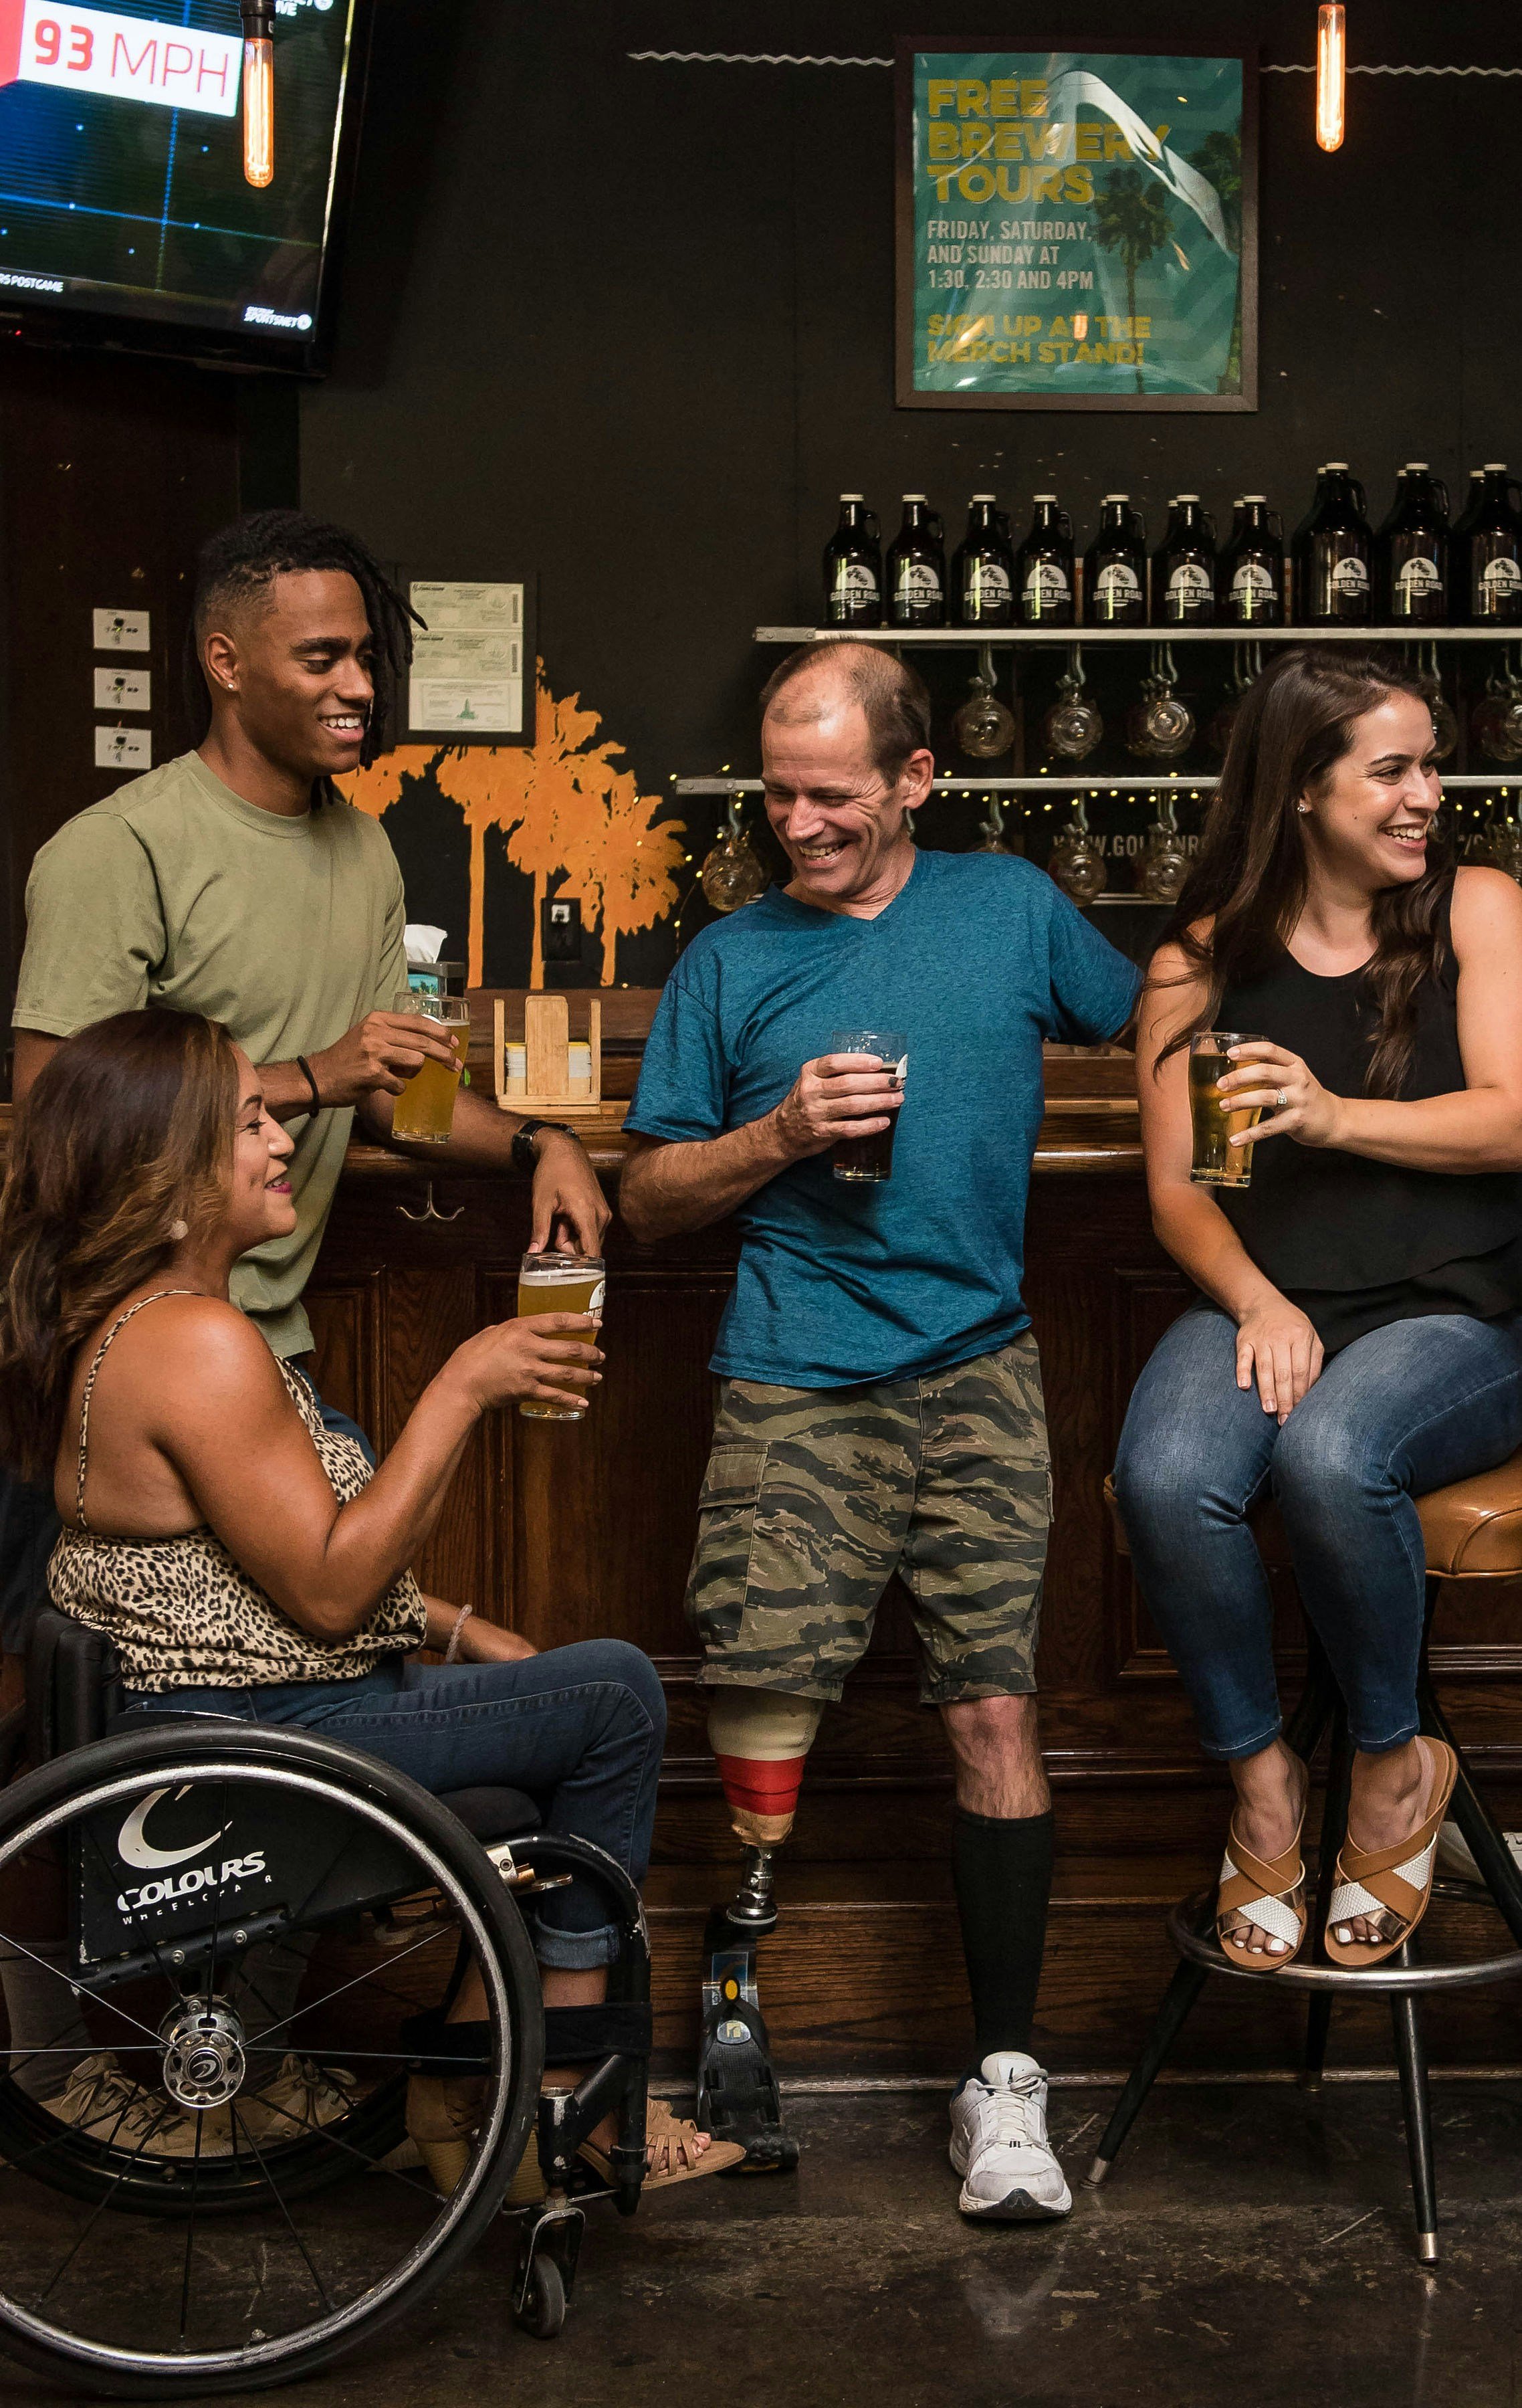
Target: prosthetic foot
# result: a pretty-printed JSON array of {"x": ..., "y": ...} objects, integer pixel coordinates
[
  {"x": 761, "y": 1740},
  {"x": 738, "y": 2098}
]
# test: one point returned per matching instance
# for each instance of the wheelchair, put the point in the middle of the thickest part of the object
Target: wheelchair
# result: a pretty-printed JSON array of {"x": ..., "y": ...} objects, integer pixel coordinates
[{"x": 262, "y": 1932}]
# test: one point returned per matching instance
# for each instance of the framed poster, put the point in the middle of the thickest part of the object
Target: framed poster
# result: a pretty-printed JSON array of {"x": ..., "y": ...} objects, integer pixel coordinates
[
  {"x": 1076, "y": 230},
  {"x": 472, "y": 679}
]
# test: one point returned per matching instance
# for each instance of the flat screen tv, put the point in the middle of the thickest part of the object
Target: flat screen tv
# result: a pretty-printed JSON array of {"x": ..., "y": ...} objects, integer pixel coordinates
[{"x": 124, "y": 214}]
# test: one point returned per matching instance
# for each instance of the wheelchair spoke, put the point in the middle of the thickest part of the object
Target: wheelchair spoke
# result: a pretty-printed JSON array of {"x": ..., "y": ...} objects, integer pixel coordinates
[
  {"x": 274, "y": 2190},
  {"x": 328, "y": 1996},
  {"x": 371, "y": 2165},
  {"x": 190, "y": 2232},
  {"x": 95, "y": 1998},
  {"x": 106, "y": 2196}
]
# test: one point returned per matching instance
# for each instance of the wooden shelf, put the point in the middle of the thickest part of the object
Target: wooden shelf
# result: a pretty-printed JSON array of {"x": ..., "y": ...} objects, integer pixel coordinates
[{"x": 1087, "y": 635}]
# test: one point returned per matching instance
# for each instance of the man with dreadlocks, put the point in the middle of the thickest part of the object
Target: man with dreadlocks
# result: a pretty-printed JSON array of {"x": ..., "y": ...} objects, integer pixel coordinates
[{"x": 237, "y": 883}]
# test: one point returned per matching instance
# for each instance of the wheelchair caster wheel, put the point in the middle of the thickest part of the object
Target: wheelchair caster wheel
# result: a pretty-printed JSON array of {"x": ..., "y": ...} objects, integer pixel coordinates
[{"x": 542, "y": 2310}]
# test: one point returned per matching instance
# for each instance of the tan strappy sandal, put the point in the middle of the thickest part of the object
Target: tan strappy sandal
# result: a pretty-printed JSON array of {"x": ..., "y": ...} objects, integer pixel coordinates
[
  {"x": 672, "y": 2142},
  {"x": 1268, "y": 1891},
  {"x": 1391, "y": 1881}
]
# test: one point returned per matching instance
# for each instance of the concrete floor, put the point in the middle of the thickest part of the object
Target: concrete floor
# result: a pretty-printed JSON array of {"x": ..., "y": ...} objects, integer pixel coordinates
[{"x": 1254, "y": 2244}]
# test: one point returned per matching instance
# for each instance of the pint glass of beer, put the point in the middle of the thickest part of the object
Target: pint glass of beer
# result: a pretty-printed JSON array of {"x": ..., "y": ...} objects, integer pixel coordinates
[
  {"x": 870, "y": 1158},
  {"x": 551, "y": 1283},
  {"x": 423, "y": 1112},
  {"x": 1216, "y": 1163}
]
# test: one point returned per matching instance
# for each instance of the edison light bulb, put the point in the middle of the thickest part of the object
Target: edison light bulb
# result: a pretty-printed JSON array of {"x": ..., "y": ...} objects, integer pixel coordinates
[
  {"x": 1331, "y": 75},
  {"x": 259, "y": 92}
]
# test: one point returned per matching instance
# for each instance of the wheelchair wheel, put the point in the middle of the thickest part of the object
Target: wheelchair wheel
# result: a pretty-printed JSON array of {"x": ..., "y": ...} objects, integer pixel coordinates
[
  {"x": 196, "y": 2190},
  {"x": 542, "y": 2312}
]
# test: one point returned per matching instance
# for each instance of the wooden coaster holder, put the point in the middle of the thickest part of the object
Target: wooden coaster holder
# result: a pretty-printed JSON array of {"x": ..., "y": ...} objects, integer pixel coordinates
[{"x": 546, "y": 1039}]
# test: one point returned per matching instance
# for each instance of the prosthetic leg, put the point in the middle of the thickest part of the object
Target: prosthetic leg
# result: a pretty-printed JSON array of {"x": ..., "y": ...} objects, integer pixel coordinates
[{"x": 762, "y": 1738}]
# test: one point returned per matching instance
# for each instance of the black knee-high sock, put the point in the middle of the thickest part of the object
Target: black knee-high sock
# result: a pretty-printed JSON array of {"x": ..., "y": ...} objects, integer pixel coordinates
[{"x": 1002, "y": 1869}]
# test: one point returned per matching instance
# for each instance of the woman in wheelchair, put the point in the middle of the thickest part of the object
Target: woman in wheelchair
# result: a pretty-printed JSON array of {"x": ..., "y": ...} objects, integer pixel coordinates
[{"x": 241, "y": 1556}]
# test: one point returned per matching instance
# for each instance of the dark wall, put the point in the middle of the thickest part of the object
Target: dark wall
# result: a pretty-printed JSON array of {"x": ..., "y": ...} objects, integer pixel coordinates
[
  {"x": 632, "y": 323},
  {"x": 112, "y": 470}
]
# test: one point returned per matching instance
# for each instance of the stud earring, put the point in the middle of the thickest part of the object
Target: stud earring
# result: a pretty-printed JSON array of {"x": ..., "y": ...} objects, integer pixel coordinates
[
  {"x": 178, "y": 1232},
  {"x": 1305, "y": 810}
]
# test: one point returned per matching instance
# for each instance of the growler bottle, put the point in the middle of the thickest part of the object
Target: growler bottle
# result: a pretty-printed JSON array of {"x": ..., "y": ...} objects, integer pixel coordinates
[
  {"x": 1044, "y": 567},
  {"x": 1494, "y": 578},
  {"x": 917, "y": 568},
  {"x": 1250, "y": 586},
  {"x": 1331, "y": 553},
  {"x": 1184, "y": 567},
  {"x": 853, "y": 568},
  {"x": 1115, "y": 567},
  {"x": 983, "y": 569},
  {"x": 1413, "y": 550}
]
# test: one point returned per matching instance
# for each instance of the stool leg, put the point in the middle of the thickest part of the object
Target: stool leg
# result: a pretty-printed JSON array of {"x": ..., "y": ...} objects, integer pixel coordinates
[
  {"x": 1333, "y": 1831},
  {"x": 1486, "y": 1845},
  {"x": 1415, "y": 2100},
  {"x": 1182, "y": 1991}
]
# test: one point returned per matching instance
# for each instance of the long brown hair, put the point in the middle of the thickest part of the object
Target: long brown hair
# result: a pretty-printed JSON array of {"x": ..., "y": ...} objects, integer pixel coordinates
[
  {"x": 1246, "y": 889},
  {"x": 128, "y": 1128}
]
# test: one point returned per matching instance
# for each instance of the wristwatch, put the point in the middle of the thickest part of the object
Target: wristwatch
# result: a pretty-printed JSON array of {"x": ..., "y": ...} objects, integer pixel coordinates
[{"x": 524, "y": 1157}]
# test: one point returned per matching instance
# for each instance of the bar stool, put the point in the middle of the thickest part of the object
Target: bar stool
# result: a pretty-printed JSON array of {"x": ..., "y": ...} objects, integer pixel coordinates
[{"x": 1473, "y": 1531}]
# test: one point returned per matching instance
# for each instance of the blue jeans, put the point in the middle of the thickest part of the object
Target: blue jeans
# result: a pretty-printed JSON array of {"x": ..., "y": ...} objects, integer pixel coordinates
[
  {"x": 580, "y": 1729},
  {"x": 1405, "y": 1410}
]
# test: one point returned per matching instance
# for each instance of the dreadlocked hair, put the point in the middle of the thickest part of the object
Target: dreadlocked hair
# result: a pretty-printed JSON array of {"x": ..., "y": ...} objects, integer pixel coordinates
[
  {"x": 239, "y": 563},
  {"x": 1247, "y": 886}
]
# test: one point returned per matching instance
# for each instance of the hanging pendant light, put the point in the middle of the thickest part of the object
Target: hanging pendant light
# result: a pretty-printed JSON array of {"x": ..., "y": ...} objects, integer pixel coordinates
[
  {"x": 1331, "y": 75},
  {"x": 258, "y": 90}
]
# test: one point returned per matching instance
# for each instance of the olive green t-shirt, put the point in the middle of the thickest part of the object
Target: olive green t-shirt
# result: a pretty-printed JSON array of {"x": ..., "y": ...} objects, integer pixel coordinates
[{"x": 176, "y": 892}]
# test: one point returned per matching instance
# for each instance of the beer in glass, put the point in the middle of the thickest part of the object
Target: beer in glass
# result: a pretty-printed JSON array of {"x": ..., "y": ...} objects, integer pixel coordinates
[
  {"x": 870, "y": 1158},
  {"x": 551, "y": 1283},
  {"x": 423, "y": 1112},
  {"x": 1216, "y": 1163}
]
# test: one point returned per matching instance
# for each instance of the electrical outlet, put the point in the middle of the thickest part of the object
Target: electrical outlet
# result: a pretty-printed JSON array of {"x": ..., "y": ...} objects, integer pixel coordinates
[{"x": 559, "y": 929}]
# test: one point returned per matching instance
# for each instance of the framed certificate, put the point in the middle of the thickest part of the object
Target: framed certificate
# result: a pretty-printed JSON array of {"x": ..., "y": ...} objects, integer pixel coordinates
[
  {"x": 1076, "y": 230},
  {"x": 472, "y": 679}
]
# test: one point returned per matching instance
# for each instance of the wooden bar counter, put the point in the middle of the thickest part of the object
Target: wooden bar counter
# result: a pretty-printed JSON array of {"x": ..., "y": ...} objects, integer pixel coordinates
[{"x": 566, "y": 1532}]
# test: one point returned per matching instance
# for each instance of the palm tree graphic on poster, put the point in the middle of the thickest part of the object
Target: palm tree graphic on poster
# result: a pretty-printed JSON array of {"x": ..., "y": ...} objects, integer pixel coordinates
[
  {"x": 564, "y": 810},
  {"x": 1218, "y": 159},
  {"x": 1130, "y": 219}
]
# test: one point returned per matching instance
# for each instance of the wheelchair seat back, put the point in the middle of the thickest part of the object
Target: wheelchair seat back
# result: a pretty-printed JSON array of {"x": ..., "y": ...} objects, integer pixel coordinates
[{"x": 73, "y": 1685}]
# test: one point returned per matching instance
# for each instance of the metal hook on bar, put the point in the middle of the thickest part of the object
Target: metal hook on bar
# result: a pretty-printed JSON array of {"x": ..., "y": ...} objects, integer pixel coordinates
[{"x": 429, "y": 1210}]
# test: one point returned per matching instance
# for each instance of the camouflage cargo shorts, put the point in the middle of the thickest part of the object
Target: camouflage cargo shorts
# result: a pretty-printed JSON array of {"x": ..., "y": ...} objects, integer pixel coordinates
[{"x": 815, "y": 1497}]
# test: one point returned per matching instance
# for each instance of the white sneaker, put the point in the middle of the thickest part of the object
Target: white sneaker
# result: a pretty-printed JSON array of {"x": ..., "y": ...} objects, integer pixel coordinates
[{"x": 998, "y": 2143}]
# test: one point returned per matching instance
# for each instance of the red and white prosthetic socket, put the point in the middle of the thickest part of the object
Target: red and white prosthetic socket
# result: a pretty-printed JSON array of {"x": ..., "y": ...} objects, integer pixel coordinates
[{"x": 762, "y": 1738}]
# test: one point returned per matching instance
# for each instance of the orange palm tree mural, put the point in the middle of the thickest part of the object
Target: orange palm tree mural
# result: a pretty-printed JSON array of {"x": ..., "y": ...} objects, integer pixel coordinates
[
  {"x": 564, "y": 810},
  {"x": 635, "y": 862}
]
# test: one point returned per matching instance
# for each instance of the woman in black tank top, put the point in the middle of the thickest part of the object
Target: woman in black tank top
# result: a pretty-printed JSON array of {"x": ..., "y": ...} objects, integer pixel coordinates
[{"x": 1357, "y": 1339}]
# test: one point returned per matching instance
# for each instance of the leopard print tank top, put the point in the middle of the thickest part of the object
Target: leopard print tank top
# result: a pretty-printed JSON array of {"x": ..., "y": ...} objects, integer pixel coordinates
[{"x": 182, "y": 1612}]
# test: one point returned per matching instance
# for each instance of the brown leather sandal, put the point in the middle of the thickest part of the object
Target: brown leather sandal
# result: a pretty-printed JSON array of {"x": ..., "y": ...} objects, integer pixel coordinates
[
  {"x": 1268, "y": 1891},
  {"x": 1391, "y": 1881},
  {"x": 672, "y": 2144}
]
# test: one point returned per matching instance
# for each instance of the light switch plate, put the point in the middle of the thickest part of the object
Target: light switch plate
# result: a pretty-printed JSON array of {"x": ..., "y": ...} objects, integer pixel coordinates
[
  {"x": 123, "y": 689},
  {"x": 120, "y": 631},
  {"x": 124, "y": 748}
]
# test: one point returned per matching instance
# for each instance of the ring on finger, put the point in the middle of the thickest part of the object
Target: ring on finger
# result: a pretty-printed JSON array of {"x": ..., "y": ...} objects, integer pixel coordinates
[{"x": 1280, "y": 1101}]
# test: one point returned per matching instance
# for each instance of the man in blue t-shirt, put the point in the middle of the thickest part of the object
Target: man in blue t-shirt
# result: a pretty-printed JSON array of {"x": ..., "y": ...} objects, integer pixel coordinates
[{"x": 881, "y": 1406}]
